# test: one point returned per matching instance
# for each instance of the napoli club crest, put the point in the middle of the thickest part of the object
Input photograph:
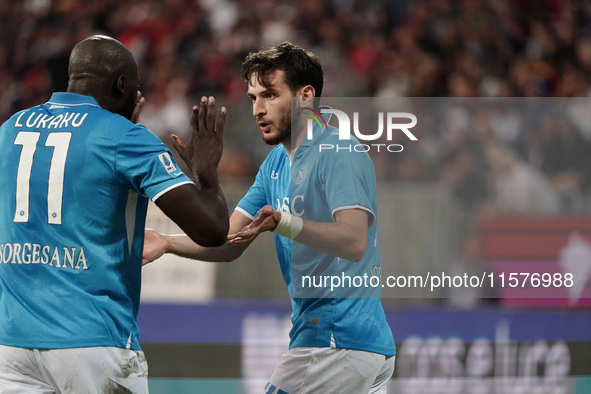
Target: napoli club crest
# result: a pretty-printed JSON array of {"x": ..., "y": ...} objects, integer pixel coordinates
[{"x": 300, "y": 174}]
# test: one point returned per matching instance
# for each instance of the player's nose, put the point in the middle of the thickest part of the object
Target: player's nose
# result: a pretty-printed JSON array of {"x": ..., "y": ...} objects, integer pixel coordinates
[{"x": 258, "y": 108}]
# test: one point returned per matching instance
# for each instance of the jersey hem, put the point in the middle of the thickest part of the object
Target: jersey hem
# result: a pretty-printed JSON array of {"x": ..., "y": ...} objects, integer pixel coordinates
[
  {"x": 370, "y": 349},
  {"x": 60, "y": 345}
]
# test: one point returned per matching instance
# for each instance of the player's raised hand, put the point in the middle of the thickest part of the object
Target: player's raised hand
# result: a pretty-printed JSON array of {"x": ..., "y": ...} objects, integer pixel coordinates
[
  {"x": 204, "y": 151},
  {"x": 154, "y": 246},
  {"x": 139, "y": 105},
  {"x": 266, "y": 220}
]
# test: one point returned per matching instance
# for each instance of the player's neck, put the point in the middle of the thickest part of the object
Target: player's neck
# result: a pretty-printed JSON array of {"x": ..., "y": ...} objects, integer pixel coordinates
[
  {"x": 287, "y": 145},
  {"x": 296, "y": 139},
  {"x": 96, "y": 90}
]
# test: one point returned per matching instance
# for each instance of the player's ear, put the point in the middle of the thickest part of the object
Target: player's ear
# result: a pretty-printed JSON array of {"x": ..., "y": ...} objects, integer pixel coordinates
[
  {"x": 307, "y": 93},
  {"x": 119, "y": 87}
]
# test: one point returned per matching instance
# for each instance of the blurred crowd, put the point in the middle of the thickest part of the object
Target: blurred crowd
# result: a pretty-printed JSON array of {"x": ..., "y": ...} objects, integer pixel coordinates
[{"x": 381, "y": 48}]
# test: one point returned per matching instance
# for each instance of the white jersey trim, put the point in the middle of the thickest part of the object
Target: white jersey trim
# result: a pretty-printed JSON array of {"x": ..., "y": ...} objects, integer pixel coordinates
[
  {"x": 73, "y": 105},
  {"x": 242, "y": 211},
  {"x": 372, "y": 216},
  {"x": 169, "y": 188}
]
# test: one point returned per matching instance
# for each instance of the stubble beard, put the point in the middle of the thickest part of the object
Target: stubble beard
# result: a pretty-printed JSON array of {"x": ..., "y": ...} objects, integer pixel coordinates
[{"x": 284, "y": 129}]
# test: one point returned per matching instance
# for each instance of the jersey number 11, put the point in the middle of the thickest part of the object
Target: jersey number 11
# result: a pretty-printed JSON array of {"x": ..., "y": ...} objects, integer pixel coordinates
[{"x": 55, "y": 188}]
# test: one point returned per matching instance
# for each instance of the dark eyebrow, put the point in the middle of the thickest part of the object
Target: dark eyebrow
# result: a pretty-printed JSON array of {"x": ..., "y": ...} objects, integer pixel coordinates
[{"x": 269, "y": 90}]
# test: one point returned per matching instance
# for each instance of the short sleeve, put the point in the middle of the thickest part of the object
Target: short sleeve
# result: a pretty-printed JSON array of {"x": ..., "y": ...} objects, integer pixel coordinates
[
  {"x": 349, "y": 182},
  {"x": 146, "y": 164},
  {"x": 255, "y": 198}
]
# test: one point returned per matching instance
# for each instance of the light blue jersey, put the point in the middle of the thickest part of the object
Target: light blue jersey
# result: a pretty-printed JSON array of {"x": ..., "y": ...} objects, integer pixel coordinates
[
  {"x": 75, "y": 186},
  {"x": 314, "y": 187}
]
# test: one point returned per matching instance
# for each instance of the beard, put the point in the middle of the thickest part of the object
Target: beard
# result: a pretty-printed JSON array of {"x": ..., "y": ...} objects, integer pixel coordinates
[{"x": 283, "y": 129}]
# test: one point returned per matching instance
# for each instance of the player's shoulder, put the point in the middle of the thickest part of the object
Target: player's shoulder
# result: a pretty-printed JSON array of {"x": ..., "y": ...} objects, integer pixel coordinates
[
  {"x": 108, "y": 116},
  {"x": 119, "y": 126},
  {"x": 10, "y": 121},
  {"x": 330, "y": 145},
  {"x": 18, "y": 115},
  {"x": 131, "y": 136},
  {"x": 278, "y": 151},
  {"x": 276, "y": 155},
  {"x": 332, "y": 136}
]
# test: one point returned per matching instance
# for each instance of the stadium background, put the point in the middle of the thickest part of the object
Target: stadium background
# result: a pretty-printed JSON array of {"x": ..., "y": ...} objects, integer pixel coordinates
[{"x": 450, "y": 203}]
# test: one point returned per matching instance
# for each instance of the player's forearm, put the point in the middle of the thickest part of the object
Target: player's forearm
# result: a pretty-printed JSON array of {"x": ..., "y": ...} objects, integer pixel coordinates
[
  {"x": 201, "y": 213},
  {"x": 214, "y": 218},
  {"x": 346, "y": 237},
  {"x": 182, "y": 245},
  {"x": 335, "y": 239}
]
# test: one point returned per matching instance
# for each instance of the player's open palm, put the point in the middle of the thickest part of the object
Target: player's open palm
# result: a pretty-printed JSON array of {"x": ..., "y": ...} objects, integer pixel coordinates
[
  {"x": 154, "y": 246},
  {"x": 203, "y": 152},
  {"x": 266, "y": 220}
]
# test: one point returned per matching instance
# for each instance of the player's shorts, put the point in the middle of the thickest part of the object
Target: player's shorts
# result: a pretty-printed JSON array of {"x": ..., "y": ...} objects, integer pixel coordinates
[
  {"x": 325, "y": 370},
  {"x": 92, "y": 370}
]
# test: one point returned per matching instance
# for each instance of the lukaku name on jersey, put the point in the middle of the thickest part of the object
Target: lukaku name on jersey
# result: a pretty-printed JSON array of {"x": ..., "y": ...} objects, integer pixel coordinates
[{"x": 40, "y": 120}]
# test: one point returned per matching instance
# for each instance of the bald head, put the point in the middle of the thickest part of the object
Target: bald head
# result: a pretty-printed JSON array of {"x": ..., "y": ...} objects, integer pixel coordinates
[{"x": 105, "y": 69}]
